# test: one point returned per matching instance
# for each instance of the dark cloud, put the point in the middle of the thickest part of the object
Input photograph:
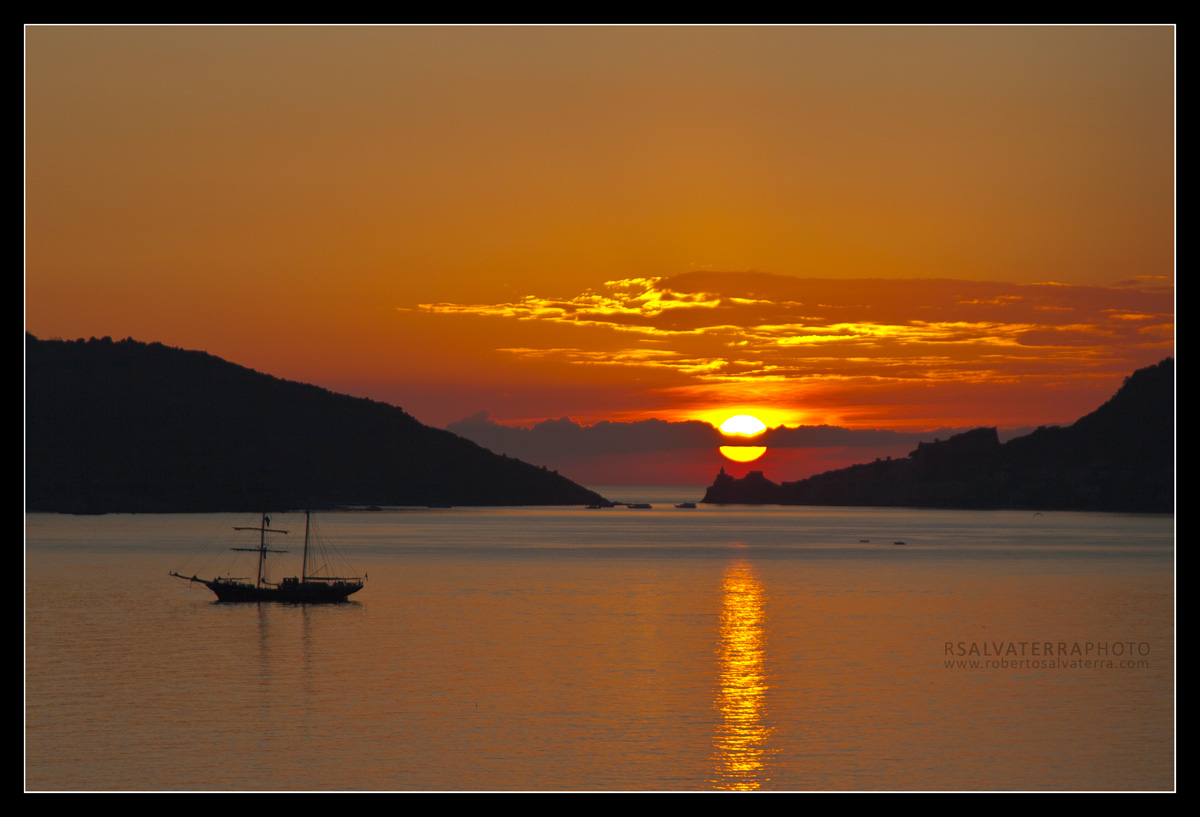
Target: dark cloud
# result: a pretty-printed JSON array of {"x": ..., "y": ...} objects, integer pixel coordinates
[{"x": 554, "y": 440}]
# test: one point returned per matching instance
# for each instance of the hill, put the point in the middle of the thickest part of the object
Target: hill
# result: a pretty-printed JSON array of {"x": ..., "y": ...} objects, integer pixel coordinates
[
  {"x": 134, "y": 427},
  {"x": 1121, "y": 457}
]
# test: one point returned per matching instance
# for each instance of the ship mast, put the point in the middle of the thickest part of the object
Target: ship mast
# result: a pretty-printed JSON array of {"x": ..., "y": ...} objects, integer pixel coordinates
[
  {"x": 262, "y": 548},
  {"x": 304, "y": 564}
]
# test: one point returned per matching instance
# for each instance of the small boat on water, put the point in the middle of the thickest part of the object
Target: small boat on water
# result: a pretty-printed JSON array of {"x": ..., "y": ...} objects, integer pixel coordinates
[
  {"x": 303, "y": 589},
  {"x": 686, "y": 505}
]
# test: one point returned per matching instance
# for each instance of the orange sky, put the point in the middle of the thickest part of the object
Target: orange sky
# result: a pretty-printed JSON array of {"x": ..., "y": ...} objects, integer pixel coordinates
[{"x": 880, "y": 227}]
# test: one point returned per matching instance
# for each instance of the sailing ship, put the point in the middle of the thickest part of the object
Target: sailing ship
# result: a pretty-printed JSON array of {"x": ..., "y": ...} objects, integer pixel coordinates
[{"x": 303, "y": 589}]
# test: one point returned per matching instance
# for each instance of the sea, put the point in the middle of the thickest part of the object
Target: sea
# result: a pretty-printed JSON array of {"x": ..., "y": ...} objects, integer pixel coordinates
[{"x": 618, "y": 649}]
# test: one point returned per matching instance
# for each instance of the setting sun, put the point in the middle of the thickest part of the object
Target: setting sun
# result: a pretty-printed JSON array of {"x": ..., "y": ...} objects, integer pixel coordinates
[
  {"x": 743, "y": 425},
  {"x": 742, "y": 453}
]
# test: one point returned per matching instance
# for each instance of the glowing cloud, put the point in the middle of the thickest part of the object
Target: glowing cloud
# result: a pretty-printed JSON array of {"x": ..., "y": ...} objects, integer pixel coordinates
[{"x": 787, "y": 343}]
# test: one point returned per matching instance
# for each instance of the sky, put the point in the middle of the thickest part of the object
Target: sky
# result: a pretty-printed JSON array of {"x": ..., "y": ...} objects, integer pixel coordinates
[{"x": 903, "y": 228}]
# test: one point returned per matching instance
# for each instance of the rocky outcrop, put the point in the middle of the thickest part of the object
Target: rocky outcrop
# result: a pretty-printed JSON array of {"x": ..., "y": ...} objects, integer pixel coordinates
[{"x": 1120, "y": 457}]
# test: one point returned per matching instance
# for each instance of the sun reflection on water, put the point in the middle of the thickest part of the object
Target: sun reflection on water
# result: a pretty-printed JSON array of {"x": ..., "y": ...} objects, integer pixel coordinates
[{"x": 739, "y": 755}]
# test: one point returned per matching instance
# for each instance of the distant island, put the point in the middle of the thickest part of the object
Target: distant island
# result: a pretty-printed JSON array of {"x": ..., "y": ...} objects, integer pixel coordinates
[
  {"x": 134, "y": 427},
  {"x": 1120, "y": 457}
]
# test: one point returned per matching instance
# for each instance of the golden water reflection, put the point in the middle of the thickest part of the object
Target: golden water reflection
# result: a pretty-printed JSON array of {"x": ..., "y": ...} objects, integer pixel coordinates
[{"x": 740, "y": 741}]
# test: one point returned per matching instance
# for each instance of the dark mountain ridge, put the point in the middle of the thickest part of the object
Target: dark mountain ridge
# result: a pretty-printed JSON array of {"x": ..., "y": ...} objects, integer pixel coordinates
[
  {"x": 1121, "y": 457},
  {"x": 134, "y": 427}
]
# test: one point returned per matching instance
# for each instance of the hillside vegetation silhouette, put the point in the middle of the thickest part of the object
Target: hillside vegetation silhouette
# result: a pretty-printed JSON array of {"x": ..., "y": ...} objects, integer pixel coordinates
[
  {"x": 1121, "y": 457},
  {"x": 134, "y": 427}
]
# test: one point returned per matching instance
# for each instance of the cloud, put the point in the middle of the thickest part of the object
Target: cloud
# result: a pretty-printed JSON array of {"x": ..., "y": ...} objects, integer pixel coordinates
[{"x": 746, "y": 328}]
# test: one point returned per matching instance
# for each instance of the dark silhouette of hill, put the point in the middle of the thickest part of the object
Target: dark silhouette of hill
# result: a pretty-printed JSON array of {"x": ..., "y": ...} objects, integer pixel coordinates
[
  {"x": 134, "y": 427},
  {"x": 1121, "y": 457}
]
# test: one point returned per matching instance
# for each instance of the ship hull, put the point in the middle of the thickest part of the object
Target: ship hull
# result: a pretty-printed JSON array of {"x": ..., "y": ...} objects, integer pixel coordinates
[{"x": 288, "y": 592}]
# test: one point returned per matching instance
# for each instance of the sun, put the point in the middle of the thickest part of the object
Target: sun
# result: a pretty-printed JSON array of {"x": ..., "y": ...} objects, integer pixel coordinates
[
  {"x": 742, "y": 453},
  {"x": 743, "y": 425}
]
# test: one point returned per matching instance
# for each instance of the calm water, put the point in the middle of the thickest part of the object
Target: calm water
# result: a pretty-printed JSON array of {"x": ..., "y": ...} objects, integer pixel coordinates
[{"x": 717, "y": 648}]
